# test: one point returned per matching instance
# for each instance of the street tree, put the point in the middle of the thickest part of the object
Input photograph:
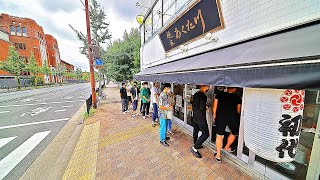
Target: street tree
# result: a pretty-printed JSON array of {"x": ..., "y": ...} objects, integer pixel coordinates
[
  {"x": 34, "y": 70},
  {"x": 45, "y": 69},
  {"x": 78, "y": 73},
  {"x": 122, "y": 59},
  {"x": 13, "y": 64},
  {"x": 61, "y": 71},
  {"x": 99, "y": 28}
]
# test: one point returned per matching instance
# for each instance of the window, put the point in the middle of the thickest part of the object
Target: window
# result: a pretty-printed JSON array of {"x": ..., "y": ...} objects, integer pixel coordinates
[
  {"x": 12, "y": 29},
  {"x": 16, "y": 45},
  {"x": 148, "y": 27},
  {"x": 18, "y": 29},
  {"x": 27, "y": 61},
  {"x": 20, "y": 46},
  {"x": 24, "y": 46},
  {"x": 157, "y": 17},
  {"x": 24, "y": 30}
]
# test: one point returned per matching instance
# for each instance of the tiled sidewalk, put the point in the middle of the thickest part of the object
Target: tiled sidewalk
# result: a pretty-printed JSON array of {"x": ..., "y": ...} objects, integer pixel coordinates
[{"x": 113, "y": 145}]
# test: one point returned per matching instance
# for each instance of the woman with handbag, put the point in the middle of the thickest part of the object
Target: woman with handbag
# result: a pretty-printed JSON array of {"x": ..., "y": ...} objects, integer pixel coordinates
[{"x": 166, "y": 113}]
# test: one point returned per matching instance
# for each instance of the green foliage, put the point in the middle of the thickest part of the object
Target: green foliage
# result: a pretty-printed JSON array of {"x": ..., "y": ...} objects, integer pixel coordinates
[
  {"x": 122, "y": 59},
  {"x": 45, "y": 68},
  {"x": 87, "y": 115},
  {"x": 13, "y": 64},
  {"x": 85, "y": 76},
  {"x": 71, "y": 74},
  {"x": 99, "y": 28},
  {"x": 32, "y": 66},
  {"x": 78, "y": 73},
  {"x": 61, "y": 71}
]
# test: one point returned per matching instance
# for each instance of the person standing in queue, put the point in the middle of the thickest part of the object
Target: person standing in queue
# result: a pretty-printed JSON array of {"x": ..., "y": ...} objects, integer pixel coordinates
[
  {"x": 124, "y": 98},
  {"x": 226, "y": 112},
  {"x": 199, "y": 107},
  {"x": 165, "y": 113},
  {"x": 145, "y": 97},
  {"x": 135, "y": 95},
  {"x": 155, "y": 92}
]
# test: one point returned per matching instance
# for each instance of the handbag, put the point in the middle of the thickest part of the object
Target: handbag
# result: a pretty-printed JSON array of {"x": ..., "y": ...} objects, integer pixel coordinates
[{"x": 169, "y": 115}]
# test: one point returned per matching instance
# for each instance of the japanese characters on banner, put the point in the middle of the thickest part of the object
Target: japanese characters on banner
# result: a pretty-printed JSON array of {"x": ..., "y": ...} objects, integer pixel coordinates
[
  {"x": 272, "y": 120},
  {"x": 201, "y": 18}
]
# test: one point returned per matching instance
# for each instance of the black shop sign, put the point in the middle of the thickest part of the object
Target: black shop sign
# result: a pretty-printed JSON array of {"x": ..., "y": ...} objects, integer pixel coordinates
[{"x": 202, "y": 17}]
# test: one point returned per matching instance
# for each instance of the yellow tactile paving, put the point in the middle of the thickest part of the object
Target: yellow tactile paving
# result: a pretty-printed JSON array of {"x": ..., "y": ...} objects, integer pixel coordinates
[
  {"x": 82, "y": 164},
  {"x": 124, "y": 135}
]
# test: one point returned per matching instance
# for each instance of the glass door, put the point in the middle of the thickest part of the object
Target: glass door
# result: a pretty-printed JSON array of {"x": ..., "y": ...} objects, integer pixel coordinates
[
  {"x": 314, "y": 164},
  {"x": 190, "y": 91},
  {"x": 179, "y": 108}
]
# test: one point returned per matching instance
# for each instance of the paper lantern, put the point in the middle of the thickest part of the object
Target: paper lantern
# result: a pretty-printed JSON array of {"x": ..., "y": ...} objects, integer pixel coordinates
[{"x": 272, "y": 120}]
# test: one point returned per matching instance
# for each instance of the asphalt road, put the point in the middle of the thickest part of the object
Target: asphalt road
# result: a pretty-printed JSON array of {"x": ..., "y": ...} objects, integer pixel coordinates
[{"x": 29, "y": 120}]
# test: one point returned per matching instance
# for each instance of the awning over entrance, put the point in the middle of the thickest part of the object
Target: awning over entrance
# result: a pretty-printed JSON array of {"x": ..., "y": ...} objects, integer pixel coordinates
[{"x": 289, "y": 59}]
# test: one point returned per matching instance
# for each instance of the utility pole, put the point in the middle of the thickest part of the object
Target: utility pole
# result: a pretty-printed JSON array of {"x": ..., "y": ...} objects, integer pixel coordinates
[{"x": 93, "y": 87}]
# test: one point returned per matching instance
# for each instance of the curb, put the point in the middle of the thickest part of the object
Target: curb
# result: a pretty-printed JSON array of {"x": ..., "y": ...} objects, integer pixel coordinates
[{"x": 52, "y": 162}]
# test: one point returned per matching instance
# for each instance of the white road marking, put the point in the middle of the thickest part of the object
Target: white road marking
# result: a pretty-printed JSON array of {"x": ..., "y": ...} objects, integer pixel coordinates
[
  {"x": 28, "y": 124},
  {"x": 19, "y": 105},
  {"x": 60, "y": 110},
  {"x": 36, "y": 111},
  {"x": 5, "y": 141},
  {"x": 27, "y": 100},
  {"x": 4, "y": 112},
  {"x": 67, "y": 106},
  {"x": 12, "y": 159},
  {"x": 68, "y": 97}
]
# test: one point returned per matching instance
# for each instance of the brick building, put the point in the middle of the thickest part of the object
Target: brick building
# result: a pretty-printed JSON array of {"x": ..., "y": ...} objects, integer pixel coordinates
[
  {"x": 4, "y": 44},
  {"x": 69, "y": 68},
  {"x": 27, "y": 36},
  {"x": 53, "y": 54}
]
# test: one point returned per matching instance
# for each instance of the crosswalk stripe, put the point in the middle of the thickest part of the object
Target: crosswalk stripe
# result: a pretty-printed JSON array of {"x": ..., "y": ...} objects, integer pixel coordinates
[
  {"x": 5, "y": 141},
  {"x": 12, "y": 159}
]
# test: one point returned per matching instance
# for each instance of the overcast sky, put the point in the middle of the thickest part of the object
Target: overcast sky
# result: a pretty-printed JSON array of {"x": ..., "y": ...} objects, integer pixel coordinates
[{"x": 54, "y": 17}]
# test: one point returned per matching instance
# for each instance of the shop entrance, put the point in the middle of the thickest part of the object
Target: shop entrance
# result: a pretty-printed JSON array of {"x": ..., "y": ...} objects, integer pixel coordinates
[{"x": 234, "y": 146}]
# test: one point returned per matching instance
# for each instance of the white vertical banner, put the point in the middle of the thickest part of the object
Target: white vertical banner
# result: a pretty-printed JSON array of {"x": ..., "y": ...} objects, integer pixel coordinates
[{"x": 272, "y": 121}]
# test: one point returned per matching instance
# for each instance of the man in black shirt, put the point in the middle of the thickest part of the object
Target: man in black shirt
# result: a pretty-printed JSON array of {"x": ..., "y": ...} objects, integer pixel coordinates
[
  {"x": 199, "y": 106},
  {"x": 124, "y": 98},
  {"x": 226, "y": 112}
]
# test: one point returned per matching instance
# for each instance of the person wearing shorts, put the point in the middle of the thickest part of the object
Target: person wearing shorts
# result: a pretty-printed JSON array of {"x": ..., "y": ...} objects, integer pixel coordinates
[{"x": 226, "y": 112}]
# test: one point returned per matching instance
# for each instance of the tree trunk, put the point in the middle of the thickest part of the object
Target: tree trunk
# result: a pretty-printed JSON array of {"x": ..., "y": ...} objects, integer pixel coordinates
[{"x": 18, "y": 81}]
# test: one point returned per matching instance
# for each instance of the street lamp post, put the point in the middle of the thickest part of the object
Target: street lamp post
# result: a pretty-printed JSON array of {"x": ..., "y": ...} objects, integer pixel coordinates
[{"x": 93, "y": 89}]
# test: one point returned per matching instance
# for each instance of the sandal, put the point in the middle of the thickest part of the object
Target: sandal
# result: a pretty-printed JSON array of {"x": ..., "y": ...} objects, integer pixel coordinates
[{"x": 217, "y": 159}]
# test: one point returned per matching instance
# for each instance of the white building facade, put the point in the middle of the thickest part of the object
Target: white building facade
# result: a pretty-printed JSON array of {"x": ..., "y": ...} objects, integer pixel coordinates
[{"x": 270, "y": 50}]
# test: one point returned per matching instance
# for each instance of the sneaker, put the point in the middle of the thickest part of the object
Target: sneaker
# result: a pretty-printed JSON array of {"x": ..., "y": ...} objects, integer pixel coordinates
[
  {"x": 170, "y": 132},
  {"x": 124, "y": 112},
  {"x": 153, "y": 125},
  {"x": 230, "y": 150},
  {"x": 289, "y": 166},
  {"x": 195, "y": 153},
  {"x": 133, "y": 115},
  {"x": 199, "y": 147},
  {"x": 164, "y": 143},
  {"x": 217, "y": 159},
  {"x": 167, "y": 138},
  {"x": 127, "y": 111}
]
